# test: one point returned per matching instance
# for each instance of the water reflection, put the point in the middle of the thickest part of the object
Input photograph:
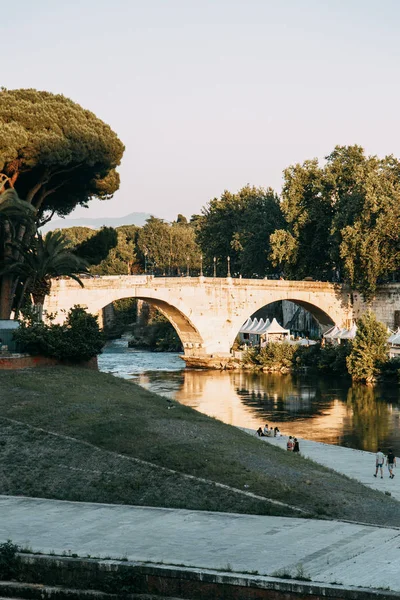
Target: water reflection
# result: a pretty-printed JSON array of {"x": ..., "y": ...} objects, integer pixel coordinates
[
  {"x": 369, "y": 416},
  {"x": 313, "y": 407}
]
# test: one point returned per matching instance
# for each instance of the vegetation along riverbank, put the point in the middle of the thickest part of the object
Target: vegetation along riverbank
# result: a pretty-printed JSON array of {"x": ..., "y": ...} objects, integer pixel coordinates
[{"x": 73, "y": 434}]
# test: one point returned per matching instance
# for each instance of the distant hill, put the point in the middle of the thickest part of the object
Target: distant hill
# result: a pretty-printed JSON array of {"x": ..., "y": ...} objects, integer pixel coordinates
[{"x": 135, "y": 218}]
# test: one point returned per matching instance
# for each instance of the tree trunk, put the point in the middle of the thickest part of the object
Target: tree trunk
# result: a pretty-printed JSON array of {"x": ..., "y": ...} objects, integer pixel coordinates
[
  {"x": 38, "y": 309},
  {"x": 7, "y": 281},
  {"x": 6, "y": 296}
]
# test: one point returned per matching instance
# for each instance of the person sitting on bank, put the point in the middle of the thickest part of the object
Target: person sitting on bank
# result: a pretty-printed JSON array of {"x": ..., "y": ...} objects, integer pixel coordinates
[
  {"x": 277, "y": 432},
  {"x": 260, "y": 432},
  {"x": 266, "y": 430}
]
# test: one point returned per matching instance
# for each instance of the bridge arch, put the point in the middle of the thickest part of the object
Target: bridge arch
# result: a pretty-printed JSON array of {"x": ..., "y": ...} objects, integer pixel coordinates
[
  {"x": 187, "y": 332},
  {"x": 323, "y": 318}
]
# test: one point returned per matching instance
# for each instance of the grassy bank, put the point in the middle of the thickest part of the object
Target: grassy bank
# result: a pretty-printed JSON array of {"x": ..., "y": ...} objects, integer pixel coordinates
[{"x": 81, "y": 435}]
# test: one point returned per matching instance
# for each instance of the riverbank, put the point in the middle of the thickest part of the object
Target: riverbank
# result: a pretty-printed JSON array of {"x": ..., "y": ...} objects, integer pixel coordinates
[
  {"x": 79, "y": 435},
  {"x": 357, "y": 464}
]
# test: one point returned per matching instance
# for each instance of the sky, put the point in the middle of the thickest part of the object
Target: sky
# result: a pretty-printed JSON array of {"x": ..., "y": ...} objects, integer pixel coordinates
[{"x": 209, "y": 95}]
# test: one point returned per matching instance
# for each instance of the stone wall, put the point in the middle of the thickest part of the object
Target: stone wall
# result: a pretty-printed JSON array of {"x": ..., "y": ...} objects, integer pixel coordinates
[
  {"x": 58, "y": 578},
  {"x": 25, "y": 361}
]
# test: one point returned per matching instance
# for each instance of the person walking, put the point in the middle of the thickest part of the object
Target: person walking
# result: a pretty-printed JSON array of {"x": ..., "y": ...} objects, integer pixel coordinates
[
  {"x": 290, "y": 444},
  {"x": 380, "y": 461},
  {"x": 391, "y": 462},
  {"x": 296, "y": 447}
]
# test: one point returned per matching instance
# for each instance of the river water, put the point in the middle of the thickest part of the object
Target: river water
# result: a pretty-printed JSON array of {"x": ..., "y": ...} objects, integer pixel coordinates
[{"x": 314, "y": 407}]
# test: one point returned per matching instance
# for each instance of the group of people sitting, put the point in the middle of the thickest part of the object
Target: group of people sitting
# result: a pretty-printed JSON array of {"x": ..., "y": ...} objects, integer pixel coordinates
[
  {"x": 268, "y": 431},
  {"x": 292, "y": 443}
]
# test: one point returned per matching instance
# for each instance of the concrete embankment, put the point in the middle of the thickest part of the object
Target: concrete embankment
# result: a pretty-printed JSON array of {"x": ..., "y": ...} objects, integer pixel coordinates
[{"x": 245, "y": 556}]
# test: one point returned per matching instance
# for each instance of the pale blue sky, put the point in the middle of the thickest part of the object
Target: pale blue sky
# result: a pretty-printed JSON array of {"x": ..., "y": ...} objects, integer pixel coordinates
[{"x": 210, "y": 95}]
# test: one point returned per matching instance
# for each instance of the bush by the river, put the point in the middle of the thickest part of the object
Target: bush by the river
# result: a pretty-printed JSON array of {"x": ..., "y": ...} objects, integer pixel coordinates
[
  {"x": 369, "y": 349},
  {"x": 272, "y": 357},
  {"x": 77, "y": 340},
  {"x": 285, "y": 357},
  {"x": 390, "y": 369}
]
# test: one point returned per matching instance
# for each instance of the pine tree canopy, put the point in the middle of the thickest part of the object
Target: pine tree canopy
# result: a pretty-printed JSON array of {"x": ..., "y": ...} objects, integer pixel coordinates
[{"x": 54, "y": 153}]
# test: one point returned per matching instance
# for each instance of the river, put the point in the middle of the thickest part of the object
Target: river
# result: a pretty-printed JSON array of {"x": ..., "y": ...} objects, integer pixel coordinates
[{"x": 314, "y": 407}]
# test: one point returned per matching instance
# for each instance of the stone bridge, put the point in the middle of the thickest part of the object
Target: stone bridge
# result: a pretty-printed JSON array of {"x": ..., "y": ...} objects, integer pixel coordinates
[{"x": 207, "y": 313}]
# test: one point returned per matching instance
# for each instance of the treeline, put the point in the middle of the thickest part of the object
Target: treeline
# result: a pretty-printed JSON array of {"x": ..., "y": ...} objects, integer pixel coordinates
[
  {"x": 158, "y": 247},
  {"x": 339, "y": 221}
]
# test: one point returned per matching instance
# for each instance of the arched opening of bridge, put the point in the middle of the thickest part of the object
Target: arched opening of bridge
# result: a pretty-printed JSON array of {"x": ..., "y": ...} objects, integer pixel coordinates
[
  {"x": 294, "y": 319},
  {"x": 151, "y": 324}
]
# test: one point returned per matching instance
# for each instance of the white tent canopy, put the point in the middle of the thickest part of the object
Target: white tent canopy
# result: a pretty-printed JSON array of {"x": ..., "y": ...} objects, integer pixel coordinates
[
  {"x": 254, "y": 326},
  {"x": 275, "y": 329},
  {"x": 304, "y": 342},
  {"x": 337, "y": 333},
  {"x": 395, "y": 341},
  {"x": 349, "y": 334},
  {"x": 330, "y": 333},
  {"x": 246, "y": 325},
  {"x": 261, "y": 327},
  {"x": 393, "y": 336}
]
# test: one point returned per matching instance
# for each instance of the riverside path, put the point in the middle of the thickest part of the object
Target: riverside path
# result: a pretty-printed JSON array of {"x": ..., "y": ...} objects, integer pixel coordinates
[{"x": 353, "y": 555}]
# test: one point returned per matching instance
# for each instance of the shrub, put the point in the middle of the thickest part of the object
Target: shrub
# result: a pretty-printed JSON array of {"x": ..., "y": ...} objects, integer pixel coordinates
[
  {"x": 307, "y": 356},
  {"x": 251, "y": 357},
  {"x": 78, "y": 339},
  {"x": 9, "y": 560},
  {"x": 390, "y": 369},
  {"x": 276, "y": 356},
  {"x": 369, "y": 348},
  {"x": 332, "y": 359}
]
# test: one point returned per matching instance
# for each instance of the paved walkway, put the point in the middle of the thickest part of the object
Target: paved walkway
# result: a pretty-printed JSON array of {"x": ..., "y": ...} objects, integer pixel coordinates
[
  {"x": 326, "y": 551},
  {"x": 356, "y": 464}
]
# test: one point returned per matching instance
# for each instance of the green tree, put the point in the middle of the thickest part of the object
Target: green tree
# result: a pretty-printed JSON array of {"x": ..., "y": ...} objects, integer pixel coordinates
[
  {"x": 239, "y": 226},
  {"x": 369, "y": 349},
  {"x": 168, "y": 248},
  {"x": 97, "y": 247},
  {"x": 303, "y": 248},
  {"x": 155, "y": 244},
  {"x": 56, "y": 156},
  {"x": 342, "y": 218},
  {"x": 76, "y": 235},
  {"x": 370, "y": 245},
  {"x": 121, "y": 259},
  {"x": 46, "y": 257},
  {"x": 184, "y": 250}
]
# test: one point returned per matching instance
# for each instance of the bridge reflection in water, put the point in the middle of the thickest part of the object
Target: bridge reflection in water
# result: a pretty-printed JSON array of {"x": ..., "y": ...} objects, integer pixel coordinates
[{"x": 315, "y": 407}]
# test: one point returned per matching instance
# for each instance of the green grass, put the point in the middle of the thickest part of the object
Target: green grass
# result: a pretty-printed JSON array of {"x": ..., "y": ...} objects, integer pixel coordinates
[{"x": 110, "y": 422}]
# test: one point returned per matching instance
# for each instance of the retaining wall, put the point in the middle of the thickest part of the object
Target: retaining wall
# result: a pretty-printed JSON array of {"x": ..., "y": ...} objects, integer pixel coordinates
[{"x": 126, "y": 579}]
